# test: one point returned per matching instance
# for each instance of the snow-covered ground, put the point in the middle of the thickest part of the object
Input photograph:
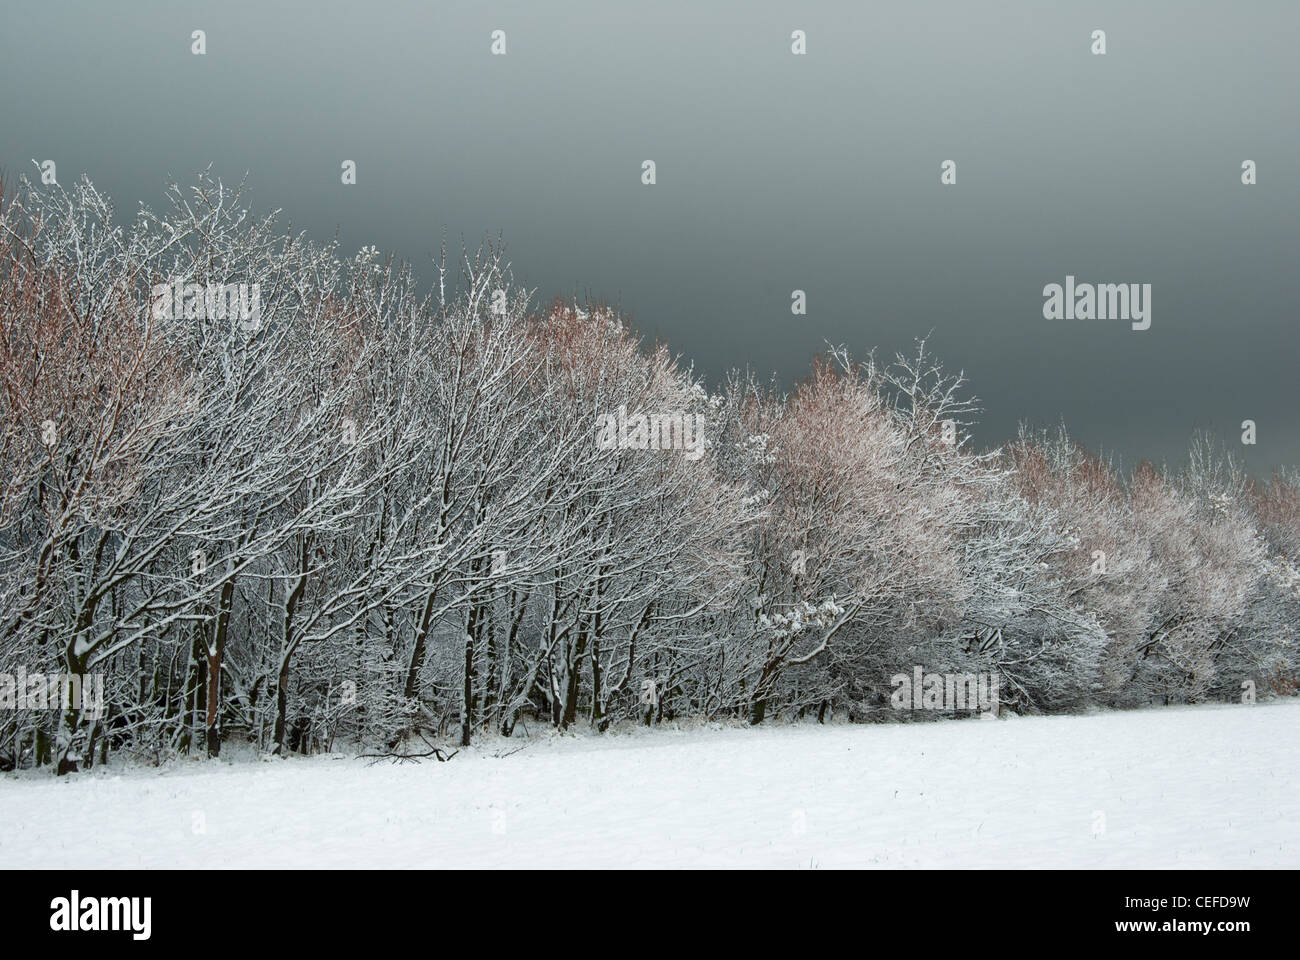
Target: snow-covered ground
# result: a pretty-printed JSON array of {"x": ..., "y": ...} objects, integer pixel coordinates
[{"x": 1186, "y": 787}]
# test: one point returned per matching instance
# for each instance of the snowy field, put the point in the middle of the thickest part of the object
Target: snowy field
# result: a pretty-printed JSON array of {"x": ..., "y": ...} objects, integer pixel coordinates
[{"x": 1212, "y": 786}]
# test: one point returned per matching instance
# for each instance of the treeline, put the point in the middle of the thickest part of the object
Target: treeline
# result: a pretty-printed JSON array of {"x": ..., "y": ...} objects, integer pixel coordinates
[{"x": 372, "y": 511}]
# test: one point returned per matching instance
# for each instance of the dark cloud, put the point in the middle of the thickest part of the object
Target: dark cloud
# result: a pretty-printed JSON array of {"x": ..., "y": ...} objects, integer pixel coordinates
[{"x": 775, "y": 172}]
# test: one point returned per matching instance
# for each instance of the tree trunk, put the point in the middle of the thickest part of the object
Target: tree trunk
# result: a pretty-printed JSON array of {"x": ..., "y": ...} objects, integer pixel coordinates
[
  {"x": 416, "y": 663},
  {"x": 289, "y": 641},
  {"x": 467, "y": 703},
  {"x": 216, "y": 654},
  {"x": 281, "y": 705}
]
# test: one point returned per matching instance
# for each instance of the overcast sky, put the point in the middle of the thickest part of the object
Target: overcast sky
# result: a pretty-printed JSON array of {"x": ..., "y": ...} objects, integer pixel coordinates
[{"x": 775, "y": 172}]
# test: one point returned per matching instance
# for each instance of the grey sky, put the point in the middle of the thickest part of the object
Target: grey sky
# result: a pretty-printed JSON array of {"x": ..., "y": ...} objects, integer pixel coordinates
[{"x": 775, "y": 172}]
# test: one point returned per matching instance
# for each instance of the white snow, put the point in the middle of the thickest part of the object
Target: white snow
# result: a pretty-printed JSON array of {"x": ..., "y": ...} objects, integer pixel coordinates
[{"x": 1184, "y": 787}]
